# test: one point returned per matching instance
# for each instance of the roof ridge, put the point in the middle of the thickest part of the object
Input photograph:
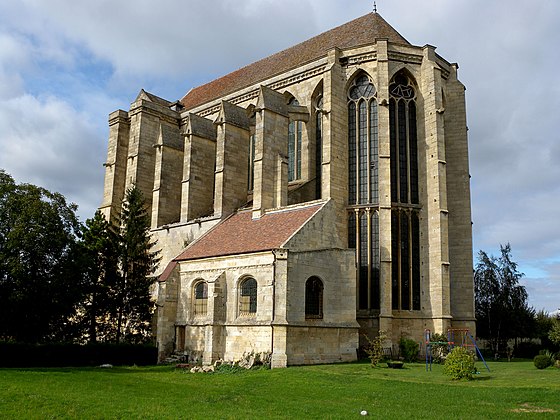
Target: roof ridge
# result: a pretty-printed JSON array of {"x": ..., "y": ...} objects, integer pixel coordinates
[{"x": 357, "y": 32}]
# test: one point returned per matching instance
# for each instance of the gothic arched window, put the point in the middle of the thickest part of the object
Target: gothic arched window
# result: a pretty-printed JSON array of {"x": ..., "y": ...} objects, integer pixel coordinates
[
  {"x": 318, "y": 145},
  {"x": 248, "y": 296},
  {"x": 405, "y": 223},
  {"x": 200, "y": 298},
  {"x": 404, "y": 147},
  {"x": 363, "y": 187},
  {"x": 314, "y": 298},
  {"x": 295, "y": 130}
]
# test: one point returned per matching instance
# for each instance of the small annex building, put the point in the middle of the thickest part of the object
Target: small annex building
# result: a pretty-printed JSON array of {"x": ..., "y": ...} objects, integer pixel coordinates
[{"x": 305, "y": 200}]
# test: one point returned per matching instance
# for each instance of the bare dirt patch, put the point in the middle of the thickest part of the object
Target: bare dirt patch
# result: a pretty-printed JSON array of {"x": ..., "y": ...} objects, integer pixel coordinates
[{"x": 528, "y": 408}]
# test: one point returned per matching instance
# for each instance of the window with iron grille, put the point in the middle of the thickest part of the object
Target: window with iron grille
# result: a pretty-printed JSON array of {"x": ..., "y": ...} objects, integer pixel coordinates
[
  {"x": 314, "y": 298},
  {"x": 248, "y": 297},
  {"x": 200, "y": 298}
]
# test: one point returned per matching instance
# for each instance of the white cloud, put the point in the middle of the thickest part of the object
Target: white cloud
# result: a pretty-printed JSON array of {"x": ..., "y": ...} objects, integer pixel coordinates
[{"x": 47, "y": 143}]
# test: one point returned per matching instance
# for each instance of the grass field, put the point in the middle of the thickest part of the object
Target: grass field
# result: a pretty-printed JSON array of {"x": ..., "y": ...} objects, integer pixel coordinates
[{"x": 510, "y": 390}]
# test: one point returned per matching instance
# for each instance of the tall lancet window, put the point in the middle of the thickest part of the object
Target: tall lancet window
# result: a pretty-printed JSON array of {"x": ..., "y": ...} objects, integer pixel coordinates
[
  {"x": 295, "y": 130},
  {"x": 405, "y": 221},
  {"x": 363, "y": 187},
  {"x": 318, "y": 145}
]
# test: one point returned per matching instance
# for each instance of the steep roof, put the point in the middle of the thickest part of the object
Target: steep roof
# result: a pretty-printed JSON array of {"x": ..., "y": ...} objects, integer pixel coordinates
[
  {"x": 361, "y": 31},
  {"x": 241, "y": 234}
]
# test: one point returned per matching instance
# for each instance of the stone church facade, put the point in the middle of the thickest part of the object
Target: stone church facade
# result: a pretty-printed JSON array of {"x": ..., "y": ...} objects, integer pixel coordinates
[{"x": 304, "y": 200}]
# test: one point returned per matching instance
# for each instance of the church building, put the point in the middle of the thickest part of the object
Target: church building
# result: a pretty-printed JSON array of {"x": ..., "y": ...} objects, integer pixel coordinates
[{"x": 306, "y": 200}]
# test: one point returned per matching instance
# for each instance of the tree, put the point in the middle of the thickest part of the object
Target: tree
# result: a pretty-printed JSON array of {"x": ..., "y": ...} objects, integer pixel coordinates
[
  {"x": 40, "y": 278},
  {"x": 501, "y": 302},
  {"x": 99, "y": 252},
  {"x": 554, "y": 333},
  {"x": 137, "y": 263}
]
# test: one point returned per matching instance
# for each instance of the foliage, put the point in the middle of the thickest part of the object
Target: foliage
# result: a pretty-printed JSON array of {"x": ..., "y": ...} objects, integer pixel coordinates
[
  {"x": 542, "y": 325},
  {"x": 374, "y": 349},
  {"x": 40, "y": 274},
  {"x": 132, "y": 305},
  {"x": 554, "y": 333},
  {"x": 459, "y": 364},
  {"x": 229, "y": 368},
  {"x": 542, "y": 361},
  {"x": 408, "y": 349},
  {"x": 501, "y": 302},
  {"x": 100, "y": 261}
]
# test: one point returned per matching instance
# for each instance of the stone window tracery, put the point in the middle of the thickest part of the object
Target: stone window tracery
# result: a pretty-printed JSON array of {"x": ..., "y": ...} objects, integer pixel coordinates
[
  {"x": 405, "y": 219},
  {"x": 363, "y": 187}
]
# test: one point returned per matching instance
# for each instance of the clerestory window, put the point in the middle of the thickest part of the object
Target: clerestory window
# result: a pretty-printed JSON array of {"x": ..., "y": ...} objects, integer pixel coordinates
[
  {"x": 363, "y": 187},
  {"x": 405, "y": 220},
  {"x": 295, "y": 133}
]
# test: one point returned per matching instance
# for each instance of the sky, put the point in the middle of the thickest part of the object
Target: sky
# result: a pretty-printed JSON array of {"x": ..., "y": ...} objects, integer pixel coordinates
[{"x": 66, "y": 64}]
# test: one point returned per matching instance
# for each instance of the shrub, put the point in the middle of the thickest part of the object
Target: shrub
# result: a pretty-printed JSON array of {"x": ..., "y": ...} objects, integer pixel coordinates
[
  {"x": 409, "y": 349},
  {"x": 542, "y": 361},
  {"x": 459, "y": 364},
  {"x": 374, "y": 349}
]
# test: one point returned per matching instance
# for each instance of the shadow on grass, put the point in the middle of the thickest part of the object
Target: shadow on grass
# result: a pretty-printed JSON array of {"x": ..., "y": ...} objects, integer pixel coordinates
[{"x": 114, "y": 369}]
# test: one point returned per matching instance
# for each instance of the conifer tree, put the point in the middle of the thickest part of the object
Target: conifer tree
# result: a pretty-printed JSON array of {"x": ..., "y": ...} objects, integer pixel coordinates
[
  {"x": 100, "y": 260},
  {"x": 137, "y": 263}
]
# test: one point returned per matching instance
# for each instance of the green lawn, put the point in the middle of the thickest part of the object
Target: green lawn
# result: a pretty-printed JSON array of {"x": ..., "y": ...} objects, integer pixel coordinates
[{"x": 515, "y": 389}]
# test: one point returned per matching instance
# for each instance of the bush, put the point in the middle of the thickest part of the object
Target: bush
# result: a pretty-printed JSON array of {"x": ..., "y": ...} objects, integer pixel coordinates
[
  {"x": 459, "y": 364},
  {"x": 374, "y": 349},
  {"x": 542, "y": 361},
  {"x": 409, "y": 349}
]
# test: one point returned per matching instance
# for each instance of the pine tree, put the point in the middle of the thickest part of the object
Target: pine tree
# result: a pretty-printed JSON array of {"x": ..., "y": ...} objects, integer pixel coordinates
[
  {"x": 137, "y": 263},
  {"x": 100, "y": 259}
]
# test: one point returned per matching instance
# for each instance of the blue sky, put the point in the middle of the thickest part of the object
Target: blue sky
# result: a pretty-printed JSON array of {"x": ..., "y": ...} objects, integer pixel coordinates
[{"x": 66, "y": 64}]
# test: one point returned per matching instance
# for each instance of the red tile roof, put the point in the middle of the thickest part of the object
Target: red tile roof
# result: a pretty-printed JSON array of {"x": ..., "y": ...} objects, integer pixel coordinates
[
  {"x": 241, "y": 234},
  {"x": 361, "y": 31}
]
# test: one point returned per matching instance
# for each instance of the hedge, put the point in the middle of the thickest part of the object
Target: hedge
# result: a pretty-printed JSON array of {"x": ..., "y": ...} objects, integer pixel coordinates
[{"x": 75, "y": 355}]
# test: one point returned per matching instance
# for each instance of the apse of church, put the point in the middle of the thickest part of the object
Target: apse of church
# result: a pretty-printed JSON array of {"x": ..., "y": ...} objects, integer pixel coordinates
[{"x": 309, "y": 198}]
